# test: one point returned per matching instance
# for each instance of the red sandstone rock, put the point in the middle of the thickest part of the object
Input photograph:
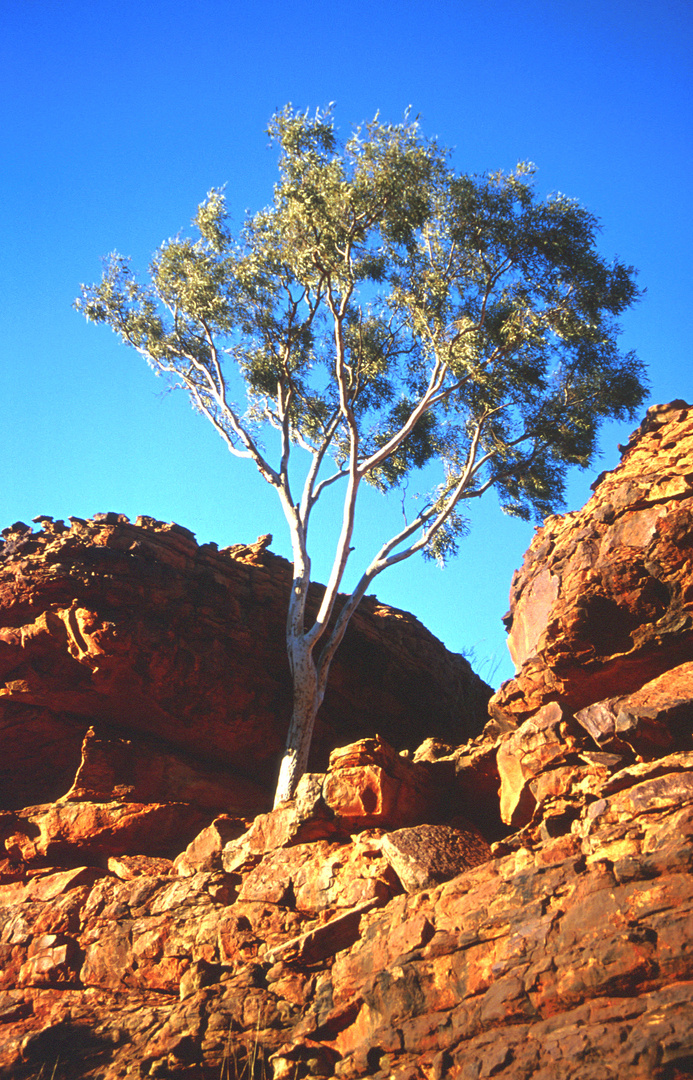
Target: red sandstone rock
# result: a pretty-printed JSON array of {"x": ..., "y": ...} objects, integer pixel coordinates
[
  {"x": 291, "y": 951},
  {"x": 127, "y": 867},
  {"x": 369, "y": 785},
  {"x": 204, "y": 853},
  {"x": 418, "y": 989},
  {"x": 547, "y": 767},
  {"x": 70, "y": 832},
  {"x": 114, "y": 767},
  {"x": 467, "y": 781},
  {"x": 303, "y": 819},
  {"x": 654, "y": 719},
  {"x": 603, "y": 602},
  {"x": 547, "y": 960},
  {"x": 323, "y": 941},
  {"x": 322, "y": 876},
  {"x": 540, "y": 748},
  {"x": 173, "y": 650},
  {"x": 52, "y": 960}
]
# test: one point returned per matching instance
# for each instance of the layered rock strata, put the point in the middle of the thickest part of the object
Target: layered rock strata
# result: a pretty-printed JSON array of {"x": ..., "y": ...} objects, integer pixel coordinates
[
  {"x": 302, "y": 947},
  {"x": 173, "y": 657},
  {"x": 603, "y": 602},
  {"x": 518, "y": 906}
]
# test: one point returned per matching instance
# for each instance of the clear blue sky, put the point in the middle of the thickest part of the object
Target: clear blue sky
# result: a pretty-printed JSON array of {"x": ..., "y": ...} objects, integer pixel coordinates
[{"x": 118, "y": 116}]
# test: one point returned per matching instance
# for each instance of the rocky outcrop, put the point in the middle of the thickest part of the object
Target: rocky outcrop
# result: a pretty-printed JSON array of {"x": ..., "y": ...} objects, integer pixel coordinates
[
  {"x": 304, "y": 947},
  {"x": 517, "y": 906},
  {"x": 603, "y": 602},
  {"x": 170, "y": 658},
  {"x": 162, "y": 966}
]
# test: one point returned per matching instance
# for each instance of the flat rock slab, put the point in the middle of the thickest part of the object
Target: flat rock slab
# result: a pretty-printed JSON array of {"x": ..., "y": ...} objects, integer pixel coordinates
[{"x": 426, "y": 855}]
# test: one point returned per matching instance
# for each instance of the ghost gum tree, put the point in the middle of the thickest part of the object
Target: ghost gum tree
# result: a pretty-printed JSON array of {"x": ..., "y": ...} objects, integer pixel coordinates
[{"x": 385, "y": 314}]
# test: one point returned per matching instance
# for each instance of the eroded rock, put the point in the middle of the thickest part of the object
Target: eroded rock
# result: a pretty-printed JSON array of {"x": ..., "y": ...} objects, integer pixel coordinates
[
  {"x": 287, "y": 945},
  {"x": 652, "y": 720},
  {"x": 603, "y": 602},
  {"x": 426, "y": 855},
  {"x": 174, "y": 655}
]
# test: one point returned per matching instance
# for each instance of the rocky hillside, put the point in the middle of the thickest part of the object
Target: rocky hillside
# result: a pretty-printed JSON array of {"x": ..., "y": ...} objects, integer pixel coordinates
[
  {"x": 519, "y": 905},
  {"x": 138, "y": 632}
]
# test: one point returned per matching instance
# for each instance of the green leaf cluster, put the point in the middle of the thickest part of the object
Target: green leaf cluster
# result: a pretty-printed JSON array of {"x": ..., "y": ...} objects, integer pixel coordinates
[{"x": 389, "y": 312}]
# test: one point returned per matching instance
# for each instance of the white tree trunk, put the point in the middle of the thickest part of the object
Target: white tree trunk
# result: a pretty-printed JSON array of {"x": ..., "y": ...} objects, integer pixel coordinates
[{"x": 307, "y": 701}]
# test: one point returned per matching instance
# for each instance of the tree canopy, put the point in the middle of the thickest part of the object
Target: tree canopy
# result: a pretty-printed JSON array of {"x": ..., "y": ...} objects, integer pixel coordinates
[{"x": 386, "y": 313}]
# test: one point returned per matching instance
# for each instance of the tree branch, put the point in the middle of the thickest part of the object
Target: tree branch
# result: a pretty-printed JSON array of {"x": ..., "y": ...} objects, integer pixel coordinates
[{"x": 354, "y": 479}]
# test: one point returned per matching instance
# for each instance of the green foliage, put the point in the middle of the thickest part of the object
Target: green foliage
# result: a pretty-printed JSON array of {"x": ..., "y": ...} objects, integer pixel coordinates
[
  {"x": 392, "y": 315},
  {"x": 390, "y": 312}
]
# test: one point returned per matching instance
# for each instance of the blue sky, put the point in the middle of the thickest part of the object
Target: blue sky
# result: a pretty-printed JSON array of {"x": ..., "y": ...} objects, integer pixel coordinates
[{"x": 117, "y": 117}]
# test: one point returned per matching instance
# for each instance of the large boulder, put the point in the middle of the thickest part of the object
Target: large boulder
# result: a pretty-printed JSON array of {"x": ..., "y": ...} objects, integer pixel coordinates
[
  {"x": 603, "y": 602},
  {"x": 136, "y": 664}
]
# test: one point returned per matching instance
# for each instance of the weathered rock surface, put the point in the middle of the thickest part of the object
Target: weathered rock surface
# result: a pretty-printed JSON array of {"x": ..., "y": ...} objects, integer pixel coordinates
[
  {"x": 519, "y": 906},
  {"x": 649, "y": 721},
  {"x": 425, "y": 855},
  {"x": 173, "y": 654},
  {"x": 567, "y": 957},
  {"x": 604, "y": 601}
]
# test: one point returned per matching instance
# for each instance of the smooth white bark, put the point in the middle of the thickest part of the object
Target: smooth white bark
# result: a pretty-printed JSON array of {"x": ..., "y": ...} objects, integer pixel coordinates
[{"x": 306, "y": 704}]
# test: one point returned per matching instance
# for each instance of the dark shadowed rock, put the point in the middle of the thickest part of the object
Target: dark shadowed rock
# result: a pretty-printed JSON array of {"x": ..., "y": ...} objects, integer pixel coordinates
[{"x": 426, "y": 855}]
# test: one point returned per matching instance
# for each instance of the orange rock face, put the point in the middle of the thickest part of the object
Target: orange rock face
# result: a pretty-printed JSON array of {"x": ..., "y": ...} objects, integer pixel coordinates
[
  {"x": 520, "y": 905},
  {"x": 603, "y": 602}
]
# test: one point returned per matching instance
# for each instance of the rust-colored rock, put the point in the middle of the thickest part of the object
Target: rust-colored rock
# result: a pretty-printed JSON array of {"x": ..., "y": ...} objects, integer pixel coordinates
[
  {"x": 604, "y": 600},
  {"x": 364, "y": 929},
  {"x": 64, "y": 833},
  {"x": 114, "y": 767},
  {"x": 547, "y": 960},
  {"x": 542, "y": 757},
  {"x": 654, "y": 719},
  {"x": 204, "y": 852},
  {"x": 369, "y": 785},
  {"x": 524, "y": 968},
  {"x": 174, "y": 654},
  {"x": 324, "y": 876}
]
